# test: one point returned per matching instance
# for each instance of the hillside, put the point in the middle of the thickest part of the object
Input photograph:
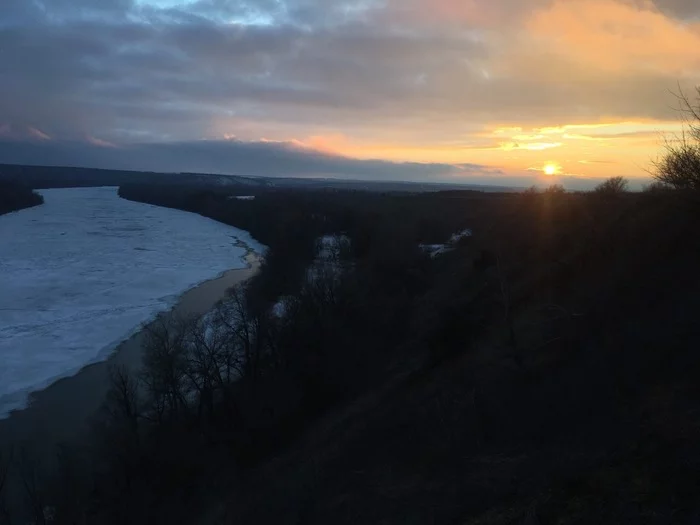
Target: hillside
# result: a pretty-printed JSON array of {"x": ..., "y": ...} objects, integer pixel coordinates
[{"x": 542, "y": 372}]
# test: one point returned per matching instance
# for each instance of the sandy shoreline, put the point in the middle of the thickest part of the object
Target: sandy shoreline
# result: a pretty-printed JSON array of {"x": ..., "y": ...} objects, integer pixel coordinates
[{"x": 61, "y": 412}]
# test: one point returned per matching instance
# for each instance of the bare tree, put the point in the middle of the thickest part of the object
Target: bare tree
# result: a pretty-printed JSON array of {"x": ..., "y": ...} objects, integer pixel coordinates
[
  {"x": 213, "y": 359},
  {"x": 164, "y": 367},
  {"x": 612, "y": 186},
  {"x": 679, "y": 167},
  {"x": 30, "y": 477},
  {"x": 656, "y": 187},
  {"x": 554, "y": 189},
  {"x": 246, "y": 333},
  {"x": 122, "y": 402}
]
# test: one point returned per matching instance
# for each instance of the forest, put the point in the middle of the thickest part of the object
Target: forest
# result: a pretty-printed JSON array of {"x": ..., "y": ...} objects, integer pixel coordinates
[{"x": 14, "y": 196}]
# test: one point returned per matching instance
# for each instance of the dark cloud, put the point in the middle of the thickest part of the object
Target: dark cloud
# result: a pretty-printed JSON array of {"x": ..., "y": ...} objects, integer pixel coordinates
[
  {"x": 228, "y": 157},
  {"x": 269, "y": 159},
  {"x": 685, "y": 9}
]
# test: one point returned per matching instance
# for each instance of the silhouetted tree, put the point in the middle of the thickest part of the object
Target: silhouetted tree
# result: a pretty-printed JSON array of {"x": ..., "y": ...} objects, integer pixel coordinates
[
  {"x": 612, "y": 186},
  {"x": 164, "y": 371},
  {"x": 679, "y": 167},
  {"x": 656, "y": 187},
  {"x": 554, "y": 189},
  {"x": 15, "y": 196}
]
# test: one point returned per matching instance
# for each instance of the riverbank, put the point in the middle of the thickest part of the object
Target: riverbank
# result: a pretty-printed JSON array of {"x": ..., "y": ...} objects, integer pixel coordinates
[
  {"x": 82, "y": 272},
  {"x": 62, "y": 411}
]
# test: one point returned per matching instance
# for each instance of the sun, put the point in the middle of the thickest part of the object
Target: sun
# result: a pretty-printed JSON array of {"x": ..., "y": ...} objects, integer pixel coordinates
[{"x": 550, "y": 169}]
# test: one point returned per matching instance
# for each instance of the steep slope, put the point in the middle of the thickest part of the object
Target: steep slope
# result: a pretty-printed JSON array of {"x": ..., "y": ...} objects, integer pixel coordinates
[{"x": 575, "y": 401}]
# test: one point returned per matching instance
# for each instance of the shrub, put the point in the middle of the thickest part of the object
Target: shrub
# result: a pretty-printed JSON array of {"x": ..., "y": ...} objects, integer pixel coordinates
[
  {"x": 612, "y": 186},
  {"x": 554, "y": 189},
  {"x": 656, "y": 187}
]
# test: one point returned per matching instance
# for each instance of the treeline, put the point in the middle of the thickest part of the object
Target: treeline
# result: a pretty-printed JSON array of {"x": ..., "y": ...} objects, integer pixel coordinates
[
  {"x": 14, "y": 196},
  {"x": 40, "y": 177}
]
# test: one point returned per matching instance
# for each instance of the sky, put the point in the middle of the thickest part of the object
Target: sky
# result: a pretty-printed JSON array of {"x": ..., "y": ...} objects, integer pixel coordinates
[{"x": 475, "y": 91}]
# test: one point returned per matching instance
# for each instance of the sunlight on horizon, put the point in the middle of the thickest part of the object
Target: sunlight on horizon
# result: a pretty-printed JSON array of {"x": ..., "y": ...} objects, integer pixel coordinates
[
  {"x": 551, "y": 169},
  {"x": 587, "y": 150}
]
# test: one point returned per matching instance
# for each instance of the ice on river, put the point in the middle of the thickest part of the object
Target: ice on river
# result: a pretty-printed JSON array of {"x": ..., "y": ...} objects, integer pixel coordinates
[{"x": 82, "y": 272}]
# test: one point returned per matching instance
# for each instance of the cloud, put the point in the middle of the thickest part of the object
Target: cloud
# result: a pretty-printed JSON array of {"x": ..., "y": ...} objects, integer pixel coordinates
[
  {"x": 682, "y": 9},
  {"x": 429, "y": 72},
  {"x": 612, "y": 35},
  {"x": 272, "y": 159},
  {"x": 261, "y": 158}
]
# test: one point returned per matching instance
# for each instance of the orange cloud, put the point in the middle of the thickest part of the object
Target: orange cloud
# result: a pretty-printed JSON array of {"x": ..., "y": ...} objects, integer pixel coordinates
[
  {"x": 99, "y": 142},
  {"x": 616, "y": 35},
  {"x": 334, "y": 143},
  {"x": 37, "y": 133}
]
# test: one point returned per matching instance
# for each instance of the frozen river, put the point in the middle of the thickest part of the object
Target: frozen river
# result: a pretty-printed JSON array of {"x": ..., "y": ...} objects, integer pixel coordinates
[{"x": 82, "y": 272}]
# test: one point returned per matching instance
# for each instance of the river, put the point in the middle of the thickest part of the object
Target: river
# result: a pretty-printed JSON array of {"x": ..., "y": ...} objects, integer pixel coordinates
[
  {"x": 78, "y": 278},
  {"x": 80, "y": 274}
]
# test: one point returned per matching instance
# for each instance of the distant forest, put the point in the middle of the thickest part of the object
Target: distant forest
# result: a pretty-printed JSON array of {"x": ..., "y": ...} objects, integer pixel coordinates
[
  {"x": 40, "y": 177},
  {"x": 14, "y": 196},
  {"x": 72, "y": 177}
]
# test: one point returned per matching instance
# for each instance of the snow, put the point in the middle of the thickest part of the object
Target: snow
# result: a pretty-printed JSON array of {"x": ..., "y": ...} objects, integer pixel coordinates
[
  {"x": 281, "y": 307},
  {"x": 82, "y": 272},
  {"x": 456, "y": 237},
  {"x": 438, "y": 249},
  {"x": 330, "y": 247},
  {"x": 328, "y": 261},
  {"x": 435, "y": 249},
  {"x": 241, "y": 197}
]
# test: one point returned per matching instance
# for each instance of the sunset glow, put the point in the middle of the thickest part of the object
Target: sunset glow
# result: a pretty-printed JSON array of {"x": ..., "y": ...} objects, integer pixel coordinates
[
  {"x": 551, "y": 169},
  {"x": 485, "y": 91}
]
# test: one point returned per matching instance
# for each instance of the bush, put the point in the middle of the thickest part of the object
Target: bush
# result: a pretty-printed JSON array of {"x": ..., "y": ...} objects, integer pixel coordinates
[
  {"x": 554, "y": 189},
  {"x": 657, "y": 187},
  {"x": 612, "y": 186}
]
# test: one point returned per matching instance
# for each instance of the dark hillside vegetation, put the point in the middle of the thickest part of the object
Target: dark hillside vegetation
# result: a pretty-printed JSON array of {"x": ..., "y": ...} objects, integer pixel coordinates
[
  {"x": 542, "y": 370},
  {"x": 15, "y": 197}
]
